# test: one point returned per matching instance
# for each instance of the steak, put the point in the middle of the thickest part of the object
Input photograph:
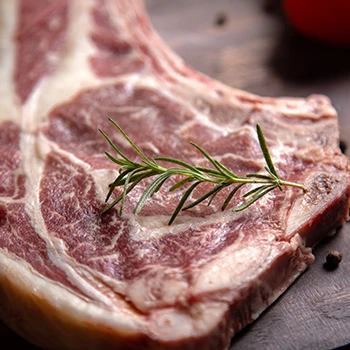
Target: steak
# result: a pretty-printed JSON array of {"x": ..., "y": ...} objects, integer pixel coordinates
[{"x": 74, "y": 278}]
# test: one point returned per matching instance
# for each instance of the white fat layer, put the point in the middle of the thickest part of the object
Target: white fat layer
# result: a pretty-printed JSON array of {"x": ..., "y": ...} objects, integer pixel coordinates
[
  {"x": 229, "y": 271},
  {"x": 73, "y": 72},
  {"x": 66, "y": 303},
  {"x": 143, "y": 227},
  {"x": 174, "y": 324},
  {"x": 9, "y": 106}
]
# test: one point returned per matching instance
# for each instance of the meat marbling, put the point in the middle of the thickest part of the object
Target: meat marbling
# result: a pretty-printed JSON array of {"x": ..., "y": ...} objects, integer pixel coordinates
[{"x": 72, "y": 278}]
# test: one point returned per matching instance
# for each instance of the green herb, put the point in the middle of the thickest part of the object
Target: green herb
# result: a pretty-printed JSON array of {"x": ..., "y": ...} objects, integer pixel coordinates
[{"x": 132, "y": 173}]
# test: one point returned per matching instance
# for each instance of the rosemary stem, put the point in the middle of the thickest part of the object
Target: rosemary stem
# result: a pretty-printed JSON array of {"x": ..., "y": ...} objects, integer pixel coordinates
[
  {"x": 277, "y": 181},
  {"x": 293, "y": 184}
]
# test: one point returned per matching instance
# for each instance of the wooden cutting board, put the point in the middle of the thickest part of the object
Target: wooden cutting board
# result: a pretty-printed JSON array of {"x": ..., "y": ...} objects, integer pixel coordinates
[{"x": 249, "y": 46}]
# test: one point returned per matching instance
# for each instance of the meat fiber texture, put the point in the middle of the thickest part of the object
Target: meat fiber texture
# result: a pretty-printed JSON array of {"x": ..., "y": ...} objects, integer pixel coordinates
[{"x": 74, "y": 278}]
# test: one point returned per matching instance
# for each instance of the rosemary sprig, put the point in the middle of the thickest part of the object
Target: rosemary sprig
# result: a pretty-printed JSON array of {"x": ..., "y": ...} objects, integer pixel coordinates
[{"x": 132, "y": 173}]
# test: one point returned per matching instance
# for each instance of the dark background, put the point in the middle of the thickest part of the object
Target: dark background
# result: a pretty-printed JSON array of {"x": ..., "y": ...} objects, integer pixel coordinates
[{"x": 248, "y": 45}]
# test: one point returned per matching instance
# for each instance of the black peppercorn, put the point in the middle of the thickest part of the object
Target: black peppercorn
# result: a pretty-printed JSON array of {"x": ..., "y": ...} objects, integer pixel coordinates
[
  {"x": 220, "y": 20},
  {"x": 333, "y": 259}
]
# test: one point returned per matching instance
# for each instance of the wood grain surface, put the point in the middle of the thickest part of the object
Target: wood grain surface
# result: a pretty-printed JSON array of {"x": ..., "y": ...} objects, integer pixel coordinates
[{"x": 248, "y": 45}]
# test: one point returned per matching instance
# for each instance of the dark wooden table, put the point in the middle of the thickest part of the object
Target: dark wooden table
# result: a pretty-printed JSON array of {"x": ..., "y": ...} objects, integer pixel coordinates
[{"x": 249, "y": 46}]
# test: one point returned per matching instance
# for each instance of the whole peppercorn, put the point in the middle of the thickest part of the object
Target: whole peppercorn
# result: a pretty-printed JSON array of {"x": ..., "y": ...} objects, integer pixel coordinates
[
  {"x": 333, "y": 259},
  {"x": 220, "y": 19}
]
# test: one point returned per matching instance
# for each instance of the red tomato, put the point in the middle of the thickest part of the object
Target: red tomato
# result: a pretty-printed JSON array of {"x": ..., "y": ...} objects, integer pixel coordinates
[{"x": 326, "y": 20}]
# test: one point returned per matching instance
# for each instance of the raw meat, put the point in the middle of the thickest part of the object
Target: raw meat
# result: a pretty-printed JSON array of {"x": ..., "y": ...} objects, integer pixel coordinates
[{"x": 72, "y": 278}]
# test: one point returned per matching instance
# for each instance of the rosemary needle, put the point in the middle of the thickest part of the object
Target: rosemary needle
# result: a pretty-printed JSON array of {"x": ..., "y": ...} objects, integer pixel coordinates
[{"x": 132, "y": 173}]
